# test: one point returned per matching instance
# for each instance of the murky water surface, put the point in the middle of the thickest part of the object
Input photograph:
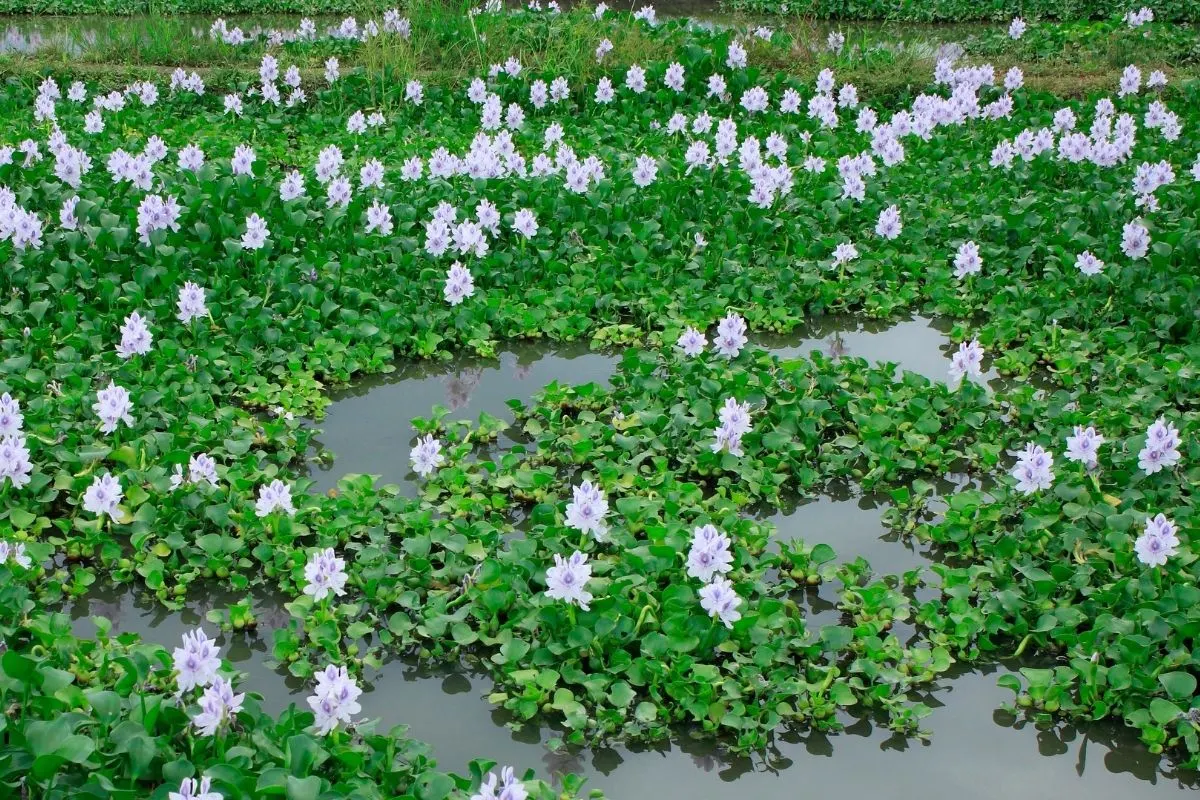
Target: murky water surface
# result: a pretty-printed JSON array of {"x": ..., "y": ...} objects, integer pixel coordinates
[
  {"x": 976, "y": 750},
  {"x": 368, "y": 430},
  {"x": 368, "y": 427}
]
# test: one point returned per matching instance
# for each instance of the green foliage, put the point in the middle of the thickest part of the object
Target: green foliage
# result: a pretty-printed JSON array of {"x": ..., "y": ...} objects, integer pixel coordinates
[
  {"x": 457, "y": 573},
  {"x": 968, "y": 10}
]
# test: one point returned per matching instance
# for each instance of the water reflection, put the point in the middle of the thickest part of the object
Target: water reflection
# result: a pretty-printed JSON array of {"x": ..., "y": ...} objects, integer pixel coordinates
[
  {"x": 919, "y": 345},
  {"x": 368, "y": 427},
  {"x": 965, "y": 757},
  {"x": 853, "y": 526},
  {"x": 134, "y": 611},
  {"x": 447, "y": 707}
]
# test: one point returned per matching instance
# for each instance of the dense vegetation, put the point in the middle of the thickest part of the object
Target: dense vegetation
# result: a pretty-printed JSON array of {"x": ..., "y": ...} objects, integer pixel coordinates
[
  {"x": 967, "y": 10},
  {"x": 187, "y": 274},
  {"x": 893, "y": 10}
]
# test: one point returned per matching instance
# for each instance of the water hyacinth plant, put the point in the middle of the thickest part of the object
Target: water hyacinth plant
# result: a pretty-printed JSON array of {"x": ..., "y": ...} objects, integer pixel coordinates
[{"x": 190, "y": 271}]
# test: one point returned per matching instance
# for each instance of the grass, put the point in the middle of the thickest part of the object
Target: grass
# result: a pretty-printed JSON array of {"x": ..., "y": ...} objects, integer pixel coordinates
[{"x": 883, "y": 60}]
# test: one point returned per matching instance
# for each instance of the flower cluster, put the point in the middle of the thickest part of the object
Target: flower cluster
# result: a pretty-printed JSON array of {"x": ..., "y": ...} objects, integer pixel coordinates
[
  {"x": 735, "y": 423},
  {"x": 218, "y": 704},
  {"x": 113, "y": 406},
  {"x": 966, "y": 361},
  {"x": 459, "y": 284},
  {"x": 1033, "y": 470},
  {"x": 426, "y": 456},
  {"x": 1161, "y": 450},
  {"x": 587, "y": 510},
  {"x": 275, "y": 496},
  {"x": 335, "y": 700},
  {"x": 567, "y": 580},
  {"x": 15, "y": 466},
  {"x": 505, "y": 787},
  {"x": 710, "y": 554},
  {"x": 196, "y": 662},
  {"x": 135, "y": 337},
  {"x": 202, "y": 469},
  {"x": 731, "y": 336},
  {"x": 325, "y": 574},
  {"x": 1083, "y": 446},
  {"x": 1158, "y": 542}
]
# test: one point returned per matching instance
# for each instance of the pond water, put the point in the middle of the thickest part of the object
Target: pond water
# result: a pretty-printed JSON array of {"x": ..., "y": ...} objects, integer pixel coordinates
[
  {"x": 919, "y": 344},
  {"x": 368, "y": 430},
  {"x": 976, "y": 750},
  {"x": 368, "y": 427}
]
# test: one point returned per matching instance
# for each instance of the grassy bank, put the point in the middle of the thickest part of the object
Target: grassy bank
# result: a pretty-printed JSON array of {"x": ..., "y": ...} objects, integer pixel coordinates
[
  {"x": 894, "y": 10},
  {"x": 883, "y": 60},
  {"x": 969, "y": 10}
]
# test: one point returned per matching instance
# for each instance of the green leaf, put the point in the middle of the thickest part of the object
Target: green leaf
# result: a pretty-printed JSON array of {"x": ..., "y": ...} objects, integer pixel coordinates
[
  {"x": 1164, "y": 711},
  {"x": 303, "y": 788},
  {"x": 1179, "y": 685},
  {"x": 646, "y": 712}
]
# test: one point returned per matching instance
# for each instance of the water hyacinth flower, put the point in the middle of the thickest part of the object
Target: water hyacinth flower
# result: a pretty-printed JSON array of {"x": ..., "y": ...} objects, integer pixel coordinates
[
  {"x": 731, "y": 336},
  {"x": 525, "y": 223},
  {"x": 735, "y": 422},
  {"x": 1135, "y": 240},
  {"x": 156, "y": 214},
  {"x": 587, "y": 510},
  {"x": 709, "y": 554},
  {"x": 135, "y": 337},
  {"x": 15, "y": 553},
  {"x": 507, "y": 787},
  {"x": 1016, "y": 28},
  {"x": 103, "y": 496},
  {"x": 202, "y": 468},
  {"x": 1161, "y": 449},
  {"x": 691, "y": 342},
  {"x": 720, "y": 601},
  {"x": 196, "y": 662},
  {"x": 567, "y": 580},
  {"x": 844, "y": 253},
  {"x": 292, "y": 186},
  {"x": 1083, "y": 446},
  {"x": 1033, "y": 470},
  {"x": 967, "y": 360},
  {"x": 193, "y": 789},
  {"x": 275, "y": 496},
  {"x": 191, "y": 303},
  {"x": 256, "y": 233},
  {"x": 459, "y": 284},
  {"x": 426, "y": 456},
  {"x": 325, "y": 574},
  {"x": 113, "y": 406},
  {"x": 12, "y": 421},
  {"x": 967, "y": 260},
  {"x": 1158, "y": 542},
  {"x": 242, "y": 162},
  {"x": 15, "y": 466},
  {"x": 379, "y": 219},
  {"x": 645, "y": 171},
  {"x": 889, "y": 225},
  {"x": 1088, "y": 264},
  {"x": 217, "y": 705},
  {"x": 335, "y": 700}
]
